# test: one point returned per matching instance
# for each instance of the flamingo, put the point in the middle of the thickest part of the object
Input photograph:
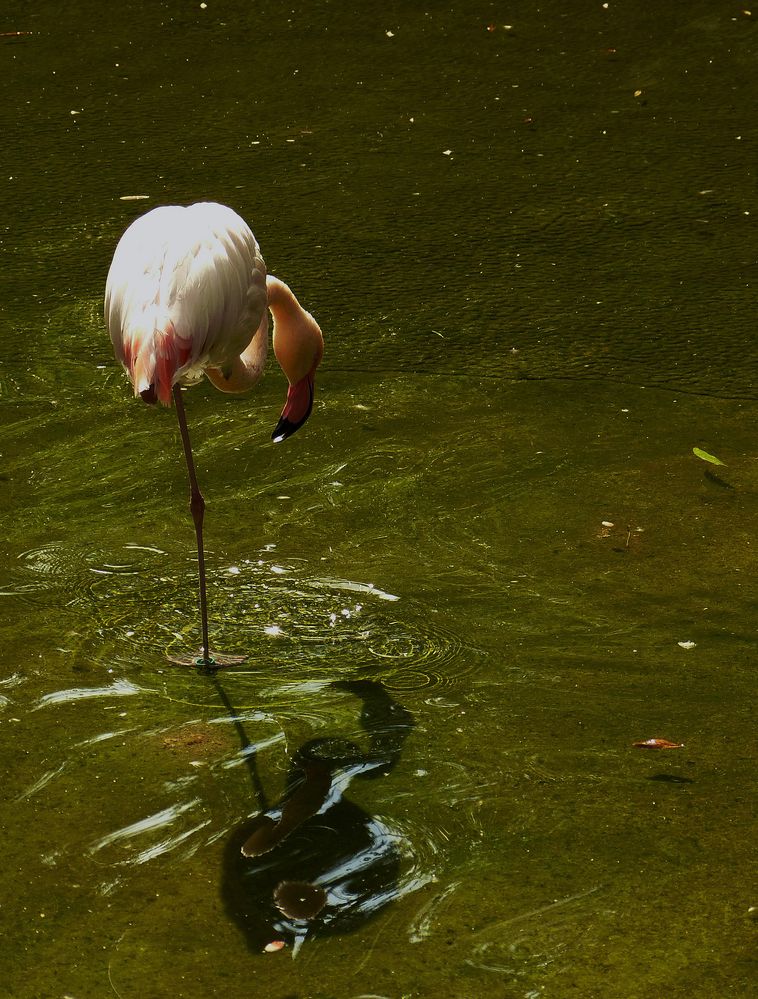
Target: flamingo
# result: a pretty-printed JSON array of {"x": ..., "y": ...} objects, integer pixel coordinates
[{"x": 187, "y": 294}]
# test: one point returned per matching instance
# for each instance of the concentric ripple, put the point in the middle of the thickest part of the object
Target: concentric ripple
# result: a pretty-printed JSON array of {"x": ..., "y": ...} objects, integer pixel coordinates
[
  {"x": 69, "y": 570},
  {"x": 139, "y": 603},
  {"x": 324, "y": 628}
]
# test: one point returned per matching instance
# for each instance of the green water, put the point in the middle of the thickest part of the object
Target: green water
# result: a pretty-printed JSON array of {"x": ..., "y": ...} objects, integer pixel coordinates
[{"x": 537, "y": 288}]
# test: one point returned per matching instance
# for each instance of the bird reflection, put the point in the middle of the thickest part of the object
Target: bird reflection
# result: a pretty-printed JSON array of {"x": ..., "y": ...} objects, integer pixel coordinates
[{"x": 315, "y": 862}]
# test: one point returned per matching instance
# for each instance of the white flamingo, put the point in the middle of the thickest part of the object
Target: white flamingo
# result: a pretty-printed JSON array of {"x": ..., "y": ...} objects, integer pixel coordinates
[{"x": 187, "y": 294}]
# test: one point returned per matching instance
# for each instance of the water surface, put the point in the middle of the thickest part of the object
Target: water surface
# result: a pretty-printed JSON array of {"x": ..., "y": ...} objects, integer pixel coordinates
[{"x": 529, "y": 238}]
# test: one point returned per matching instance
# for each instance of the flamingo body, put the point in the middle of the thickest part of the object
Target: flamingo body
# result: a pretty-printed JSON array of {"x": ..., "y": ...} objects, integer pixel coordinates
[{"x": 186, "y": 291}]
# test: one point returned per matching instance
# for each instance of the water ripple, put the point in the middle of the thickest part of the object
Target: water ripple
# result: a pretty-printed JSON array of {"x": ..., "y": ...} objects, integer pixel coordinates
[
  {"x": 157, "y": 820},
  {"x": 367, "y": 589},
  {"x": 41, "y": 782},
  {"x": 320, "y": 635},
  {"x": 139, "y": 600},
  {"x": 119, "y": 688},
  {"x": 171, "y": 843},
  {"x": 67, "y": 570}
]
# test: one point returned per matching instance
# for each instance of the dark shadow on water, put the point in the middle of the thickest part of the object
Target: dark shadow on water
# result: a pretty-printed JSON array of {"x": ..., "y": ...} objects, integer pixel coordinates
[
  {"x": 671, "y": 779},
  {"x": 717, "y": 480},
  {"x": 315, "y": 862}
]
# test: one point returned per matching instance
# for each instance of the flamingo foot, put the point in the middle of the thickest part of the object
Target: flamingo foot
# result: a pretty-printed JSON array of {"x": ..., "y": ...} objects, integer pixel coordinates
[{"x": 211, "y": 663}]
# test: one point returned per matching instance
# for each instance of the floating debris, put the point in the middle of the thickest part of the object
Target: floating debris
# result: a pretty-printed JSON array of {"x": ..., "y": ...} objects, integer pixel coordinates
[
  {"x": 657, "y": 744},
  {"x": 699, "y": 453}
]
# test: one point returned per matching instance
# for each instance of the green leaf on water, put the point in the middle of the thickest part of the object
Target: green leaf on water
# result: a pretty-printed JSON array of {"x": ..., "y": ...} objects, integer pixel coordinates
[{"x": 707, "y": 457}]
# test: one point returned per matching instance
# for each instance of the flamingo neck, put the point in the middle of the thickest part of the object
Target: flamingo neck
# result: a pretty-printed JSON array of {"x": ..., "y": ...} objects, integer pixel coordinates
[
  {"x": 247, "y": 369},
  {"x": 298, "y": 343}
]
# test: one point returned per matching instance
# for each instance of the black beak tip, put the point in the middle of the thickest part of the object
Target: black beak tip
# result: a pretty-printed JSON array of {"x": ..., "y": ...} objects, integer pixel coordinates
[{"x": 284, "y": 429}]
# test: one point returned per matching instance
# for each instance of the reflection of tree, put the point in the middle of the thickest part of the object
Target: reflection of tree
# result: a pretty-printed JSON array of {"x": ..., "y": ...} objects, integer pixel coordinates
[{"x": 316, "y": 862}]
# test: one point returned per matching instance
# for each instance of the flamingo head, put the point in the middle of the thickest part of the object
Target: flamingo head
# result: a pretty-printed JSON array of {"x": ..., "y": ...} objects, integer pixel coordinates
[
  {"x": 297, "y": 408},
  {"x": 299, "y": 347}
]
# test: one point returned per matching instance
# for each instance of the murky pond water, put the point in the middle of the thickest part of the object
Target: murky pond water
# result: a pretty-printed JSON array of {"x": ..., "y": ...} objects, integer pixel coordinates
[{"x": 489, "y": 564}]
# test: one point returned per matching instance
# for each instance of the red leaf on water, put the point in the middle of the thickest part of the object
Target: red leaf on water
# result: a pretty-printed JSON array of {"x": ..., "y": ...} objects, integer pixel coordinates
[{"x": 657, "y": 744}]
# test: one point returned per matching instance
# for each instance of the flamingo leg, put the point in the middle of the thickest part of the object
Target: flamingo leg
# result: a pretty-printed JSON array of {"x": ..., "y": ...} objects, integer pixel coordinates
[{"x": 197, "y": 508}]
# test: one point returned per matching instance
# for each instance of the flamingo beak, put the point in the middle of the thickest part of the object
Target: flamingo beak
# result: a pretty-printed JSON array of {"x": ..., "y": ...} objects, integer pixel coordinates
[{"x": 297, "y": 408}]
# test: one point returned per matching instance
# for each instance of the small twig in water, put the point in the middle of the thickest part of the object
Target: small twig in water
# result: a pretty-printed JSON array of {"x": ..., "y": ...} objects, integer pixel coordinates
[
  {"x": 110, "y": 976},
  {"x": 110, "y": 979},
  {"x": 538, "y": 912},
  {"x": 372, "y": 948}
]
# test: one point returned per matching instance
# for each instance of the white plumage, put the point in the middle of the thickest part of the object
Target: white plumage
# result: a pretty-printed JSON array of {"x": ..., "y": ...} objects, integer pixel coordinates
[{"x": 186, "y": 291}]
